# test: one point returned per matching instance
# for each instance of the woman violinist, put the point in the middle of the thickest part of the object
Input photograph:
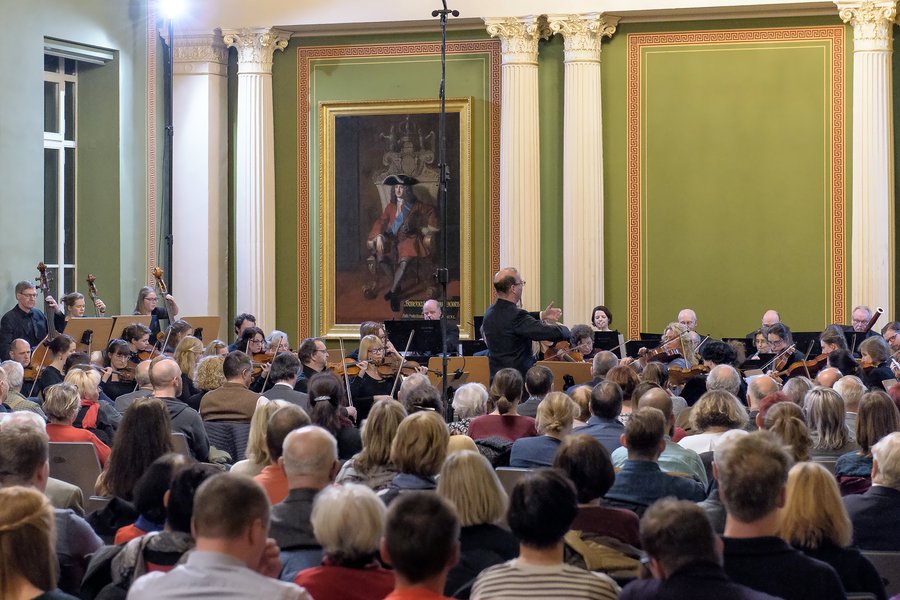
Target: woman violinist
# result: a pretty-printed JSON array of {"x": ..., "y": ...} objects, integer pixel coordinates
[
  {"x": 117, "y": 377},
  {"x": 373, "y": 379},
  {"x": 780, "y": 339},
  {"x": 578, "y": 349},
  {"x": 875, "y": 362},
  {"x": 137, "y": 335},
  {"x": 59, "y": 350},
  {"x": 675, "y": 348},
  {"x": 253, "y": 343},
  {"x": 147, "y": 302}
]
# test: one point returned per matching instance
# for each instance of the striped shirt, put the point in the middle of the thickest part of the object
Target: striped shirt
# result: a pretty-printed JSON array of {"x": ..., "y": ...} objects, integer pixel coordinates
[{"x": 516, "y": 579}]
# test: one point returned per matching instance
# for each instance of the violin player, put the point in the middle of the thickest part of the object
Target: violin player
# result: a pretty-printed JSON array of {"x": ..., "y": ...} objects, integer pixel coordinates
[{"x": 313, "y": 356}]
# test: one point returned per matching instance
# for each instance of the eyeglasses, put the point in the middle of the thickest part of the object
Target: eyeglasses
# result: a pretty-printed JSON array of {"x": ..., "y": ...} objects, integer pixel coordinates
[
  {"x": 891, "y": 339},
  {"x": 257, "y": 341},
  {"x": 31, "y": 295},
  {"x": 520, "y": 282},
  {"x": 378, "y": 350},
  {"x": 153, "y": 299}
]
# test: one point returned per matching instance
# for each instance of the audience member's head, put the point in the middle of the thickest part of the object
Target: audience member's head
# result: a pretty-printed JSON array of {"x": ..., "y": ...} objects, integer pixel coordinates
[
  {"x": 24, "y": 452},
  {"x": 378, "y": 433},
  {"x": 348, "y": 521},
  {"x": 538, "y": 381},
  {"x": 420, "y": 446},
  {"x": 470, "y": 400},
  {"x": 61, "y": 403},
  {"x": 87, "y": 382},
  {"x": 626, "y": 378},
  {"x": 421, "y": 537},
  {"x": 180, "y": 508},
  {"x": 542, "y": 506},
  {"x": 825, "y": 418},
  {"x": 282, "y": 422},
  {"x": 143, "y": 436},
  {"x": 878, "y": 416},
  {"x": 886, "y": 461},
  {"x": 411, "y": 385},
  {"x": 606, "y": 400},
  {"x": 468, "y": 481},
  {"x": 210, "y": 373},
  {"x": 506, "y": 390},
  {"x": 257, "y": 452},
  {"x": 422, "y": 396},
  {"x": 758, "y": 388},
  {"x": 655, "y": 373},
  {"x": 310, "y": 457},
  {"x": 586, "y": 462},
  {"x": 556, "y": 414},
  {"x": 231, "y": 514},
  {"x": 796, "y": 389},
  {"x": 718, "y": 408},
  {"x": 644, "y": 435},
  {"x": 603, "y": 362},
  {"x": 285, "y": 368},
  {"x": 675, "y": 534},
  {"x": 785, "y": 419},
  {"x": 237, "y": 368},
  {"x": 581, "y": 396},
  {"x": 813, "y": 512},
  {"x": 151, "y": 487},
  {"x": 326, "y": 396},
  {"x": 851, "y": 388},
  {"x": 828, "y": 377},
  {"x": 724, "y": 377},
  {"x": 27, "y": 542},
  {"x": 752, "y": 472}
]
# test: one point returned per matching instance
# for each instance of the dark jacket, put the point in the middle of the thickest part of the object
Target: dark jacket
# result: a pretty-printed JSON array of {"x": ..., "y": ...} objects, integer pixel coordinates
[
  {"x": 856, "y": 572},
  {"x": 697, "y": 581},
  {"x": 186, "y": 420},
  {"x": 876, "y": 518},
  {"x": 509, "y": 331}
]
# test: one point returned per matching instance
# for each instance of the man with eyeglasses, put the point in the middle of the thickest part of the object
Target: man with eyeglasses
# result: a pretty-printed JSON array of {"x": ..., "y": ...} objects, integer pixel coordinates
[
  {"x": 23, "y": 321},
  {"x": 509, "y": 330},
  {"x": 313, "y": 356}
]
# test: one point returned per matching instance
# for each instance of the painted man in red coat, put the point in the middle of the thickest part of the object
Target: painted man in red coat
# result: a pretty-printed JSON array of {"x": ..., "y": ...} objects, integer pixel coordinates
[{"x": 404, "y": 231}]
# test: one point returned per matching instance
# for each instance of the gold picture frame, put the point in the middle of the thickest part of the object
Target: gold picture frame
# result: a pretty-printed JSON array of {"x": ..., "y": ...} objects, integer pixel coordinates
[{"x": 362, "y": 143}]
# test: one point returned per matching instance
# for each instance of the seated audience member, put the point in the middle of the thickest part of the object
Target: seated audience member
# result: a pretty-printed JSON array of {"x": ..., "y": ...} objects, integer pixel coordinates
[
  {"x": 327, "y": 395},
  {"x": 752, "y": 473},
  {"x": 503, "y": 419},
  {"x": 372, "y": 467},
  {"x": 27, "y": 553},
  {"x": 715, "y": 413},
  {"x": 144, "y": 388},
  {"x": 233, "y": 401},
  {"x": 815, "y": 522},
  {"x": 713, "y": 507},
  {"x": 469, "y": 401},
  {"x": 144, "y": 435},
  {"x": 24, "y": 461},
  {"x": 421, "y": 397},
  {"x": 14, "y": 376},
  {"x": 165, "y": 377},
  {"x": 785, "y": 419},
  {"x": 100, "y": 418},
  {"x": 827, "y": 377},
  {"x": 233, "y": 557},
  {"x": 796, "y": 389},
  {"x": 538, "y": 383},
  {"x": 284, "y": 373},
  {"x": 411, "y": 388},
  {"x": 348, "y": 521},
  {"x": 61, "y": 405},
  {"x": 878, "y": 416},
  {"x": 541, "y": 510},
  {"x": 555, "y": 416},
  {"x": 282, "y": 422},
  {"x": 257, "y": 454},
  {"x": 310, "y": 464},
  {"x": 674, "y": 459},
  {"x": 684, "y": 558},
  {"x": 210, "y": 376},
  {"x": 851, "y": 389},
  {"x": 417, "y": 452},
  {"x": 641, "y": 482},
  {"x": 758, "y": 388},
  {"x": 724, "y": 378},
  {"x": 627, "y": 380},
  {"x": 825, "y": 418},
  {"x": 581, "y": 395},
  {"x": 149, "y": 497},
  {"x": 601, "y": 364},
  {"x": 604, "y": 424},
  {"x": 468, "y": 481},
  {"x": 586, "y": 463},
  {"x": 421, "y": 543},
  {"x": 876, "y": 514}
]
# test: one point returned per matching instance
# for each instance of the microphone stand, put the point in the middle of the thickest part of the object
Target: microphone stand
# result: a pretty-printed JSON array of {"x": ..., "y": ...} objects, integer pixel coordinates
[{"x": 443, "y": 274}]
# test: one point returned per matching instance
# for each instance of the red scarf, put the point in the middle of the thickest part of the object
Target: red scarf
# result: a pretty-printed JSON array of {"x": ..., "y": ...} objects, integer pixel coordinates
[{"x": 89, "y": 421}]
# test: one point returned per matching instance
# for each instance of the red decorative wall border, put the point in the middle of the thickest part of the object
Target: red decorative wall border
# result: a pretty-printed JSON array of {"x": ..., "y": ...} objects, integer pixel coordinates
[
  {"x": 305, "y": 57},
  {"x": 837, "y": 217}
]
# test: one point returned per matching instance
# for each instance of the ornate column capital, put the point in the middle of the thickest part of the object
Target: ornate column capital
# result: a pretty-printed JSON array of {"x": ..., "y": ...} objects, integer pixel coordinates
[
  {"x": 519, "y": 37},
  {"x": 872, "y": 22},
  {"x": 200, "y": 54},
  {"x": 582, "y": 34},
  {"x": 256, "y": 47}
]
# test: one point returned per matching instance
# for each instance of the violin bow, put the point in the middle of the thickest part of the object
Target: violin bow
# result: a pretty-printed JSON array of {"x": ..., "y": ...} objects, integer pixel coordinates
[
  {"x": 402, "y": 362},
  {"x": 806, "y": 358},
  {"x": 790, "y": 348},
  {"x": 346, "y": 377}
]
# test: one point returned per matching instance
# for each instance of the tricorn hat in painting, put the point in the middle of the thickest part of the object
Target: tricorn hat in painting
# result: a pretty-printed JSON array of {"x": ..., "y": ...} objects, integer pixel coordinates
[{"x": 400, "y": 180}]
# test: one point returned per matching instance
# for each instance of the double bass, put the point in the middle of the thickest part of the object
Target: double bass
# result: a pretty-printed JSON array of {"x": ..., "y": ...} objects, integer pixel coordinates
[{"x": 40, "y": 357}]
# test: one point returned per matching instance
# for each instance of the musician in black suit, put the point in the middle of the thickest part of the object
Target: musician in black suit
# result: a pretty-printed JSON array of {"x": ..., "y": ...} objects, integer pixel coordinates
[
  {"x": 431, "y": 311},
  {"x": 285, "y": 370},
  {"x": 25, "y": 321},
  {"x": 509, "y": 330}
]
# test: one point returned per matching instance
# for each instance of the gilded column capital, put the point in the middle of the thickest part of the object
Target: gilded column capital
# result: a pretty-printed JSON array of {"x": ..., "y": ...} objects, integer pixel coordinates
[
  {"x": 256, "y": 47},
  {"x": 582, "y": 34},
  {"x": 872, "y": 22},
  {"x": 200, "y": 53},
  {"x": 519, "y": 37}
]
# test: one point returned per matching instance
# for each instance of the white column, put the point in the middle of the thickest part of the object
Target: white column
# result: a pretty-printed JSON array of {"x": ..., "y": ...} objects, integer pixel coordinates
[
  {"x": 872, "y": 234},
  {"x": 255, "y": 172},
  {"x": 582, "y": 162},
  {"x": 520, "y": 190},
  {"x": 200, "y": 178}
]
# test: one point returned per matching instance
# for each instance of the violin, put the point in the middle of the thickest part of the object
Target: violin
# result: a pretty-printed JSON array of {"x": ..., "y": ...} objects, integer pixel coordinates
[
  {"x": 92, "y": 292},
  {"x": 124, "y": 374},
  {"x": 679, "y": 376},
  {"x": 259, "y": 359},
  {"x": 867, "y": 364},
  {"x": 661, "y": 355},
  {"x": 142, "y": 355},
  {"x": 562, "y": 351}
]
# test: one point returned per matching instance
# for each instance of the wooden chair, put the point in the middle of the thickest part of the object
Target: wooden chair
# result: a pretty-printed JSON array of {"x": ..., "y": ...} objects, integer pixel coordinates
[
  {"x": 888, "y": 566},
  {"x": 75, "y": 463},
  {"x": 509, "y": 476}
]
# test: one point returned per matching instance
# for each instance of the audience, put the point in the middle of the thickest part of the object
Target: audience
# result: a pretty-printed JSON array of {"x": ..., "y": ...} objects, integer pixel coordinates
[
  {"x": 752, "y": 473},
  {"x": 876, "y": 514},
  {"x": 149, "y": 497},
  {"x": 825, "y": 418},
  {"x": 555, "y": 416},
  {"x": 272, "y": 478},
  {"x": 758, "y": 388},
  {"x": 14, "y": 374},
  {"x": 541, "y": 510},
  {"x": 187, "y": 354},
  {"x": 210, "y": 376},
  {"x": 586, "y": 463},
  {"x": 604, "y": 424},
  {"x": 581, "y": 395},
  {"x": 851, "y": 389},
  {"x": 815, "y": 522},
  {"x": 878, "y": 416},
  {"x": 785, "y": 419},
  {"x": 327, "y": 396},
  {"x": 684, "y": 558},
  {"x": 469, "y": 401},
  {"x": 627, "y": 380},
  {"x": 144, "y": 388},
  {"x": 468, "y": 481},
  {"x": 641, "y": 482},
  {"x": 796, "y": 389},
  {"x": 417, "y": 452},
  {"x": 284, "y": 373},
  {"x": 715, "y": 412},
  {"x": 100, "y": 418},
  {"x": 372, "y": 466},
  {"x": 348, "y": 522},
  {"x": 503, "y": 420},
  {"x": 421, "y": 543},
  {"x": 61, "y": 404},
  {"x": 165, "y": 377},
  {"x": 715, "y": 510},
  {"x": 538, "y": 383},
  {"x": 257, "y": 453},
  {"x": 232, "y": 401},
  {"x": 233, "y": 556}
]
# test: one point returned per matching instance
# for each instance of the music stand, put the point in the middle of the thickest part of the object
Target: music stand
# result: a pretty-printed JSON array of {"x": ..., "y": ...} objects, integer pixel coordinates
[
  {"x": 470, "y": 347},
  {"x": 650, "y": 336},
  {"x": 606, "y": 340},
  {"x": 471, "y": 369},
  {"x": 580, "y": 372},
  {"x": 802, "y": 340},
  {"x": 425, "y": 342},
  {"x": 206, "y": 329},
  {"x": 90, "y": 333},
  {"x": 477, "y": 323},
  {"x": 120, "y": 322}
]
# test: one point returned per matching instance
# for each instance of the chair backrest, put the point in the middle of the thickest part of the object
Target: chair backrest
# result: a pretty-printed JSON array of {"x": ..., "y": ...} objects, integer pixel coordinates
[
  {"x": 888, "y": 566},
  {"x": 75, "y": 463},
  {"x": 180, "y": 444},
  {"x": 508, "y": 476},
  {"x": 827, "y": 462},
  {"x": 229, "y": 436}
]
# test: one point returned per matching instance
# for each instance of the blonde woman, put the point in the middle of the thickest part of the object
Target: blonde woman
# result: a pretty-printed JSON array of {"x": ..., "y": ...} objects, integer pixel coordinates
[
  {"x": 815, "y": 522},
  {"x": 785, "y": 419},
  {"x": 101, "y": 418},
  {"x": 555, "y": 416},
  {"x": 825, "y": 418},
  {"x": 372, "y": 466},
  {"x": 210, "y": 376},
  {"x": 257, "y": 453},
  {"x": 216, "y": 348},
  {"x": 187, "y": 354},
  {"x": 716, "y": 412},
  {"x": 417, "y": 452},
  {"x": 468, "y": 481}
]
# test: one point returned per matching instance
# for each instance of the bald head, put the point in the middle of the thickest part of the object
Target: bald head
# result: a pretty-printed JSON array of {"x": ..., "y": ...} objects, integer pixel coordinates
[
  {"x": 770, "y": 317},
  {"x": 20, "y": 351},
  {"x": 724, "y": 377},
  {"x": 165, "y": 377},
  {"x": 142, "y": 373},
  {"x": 759, "y": 388},
  {"x": 659, "y": 399},
  {"x": 828, "y": 377},
  {"x": 310, "y": 457},
  {"x": 431, "y": 310},
  {"x": 688, "y": 318},
  {"x": 507, "y": 284}
]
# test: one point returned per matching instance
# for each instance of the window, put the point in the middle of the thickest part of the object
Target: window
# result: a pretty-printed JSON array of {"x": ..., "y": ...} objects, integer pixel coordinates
[{"x": 60, "y": 86}]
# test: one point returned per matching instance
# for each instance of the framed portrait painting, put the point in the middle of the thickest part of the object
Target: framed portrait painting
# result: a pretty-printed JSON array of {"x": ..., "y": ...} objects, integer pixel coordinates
[{"x": 384, "y": 230}]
